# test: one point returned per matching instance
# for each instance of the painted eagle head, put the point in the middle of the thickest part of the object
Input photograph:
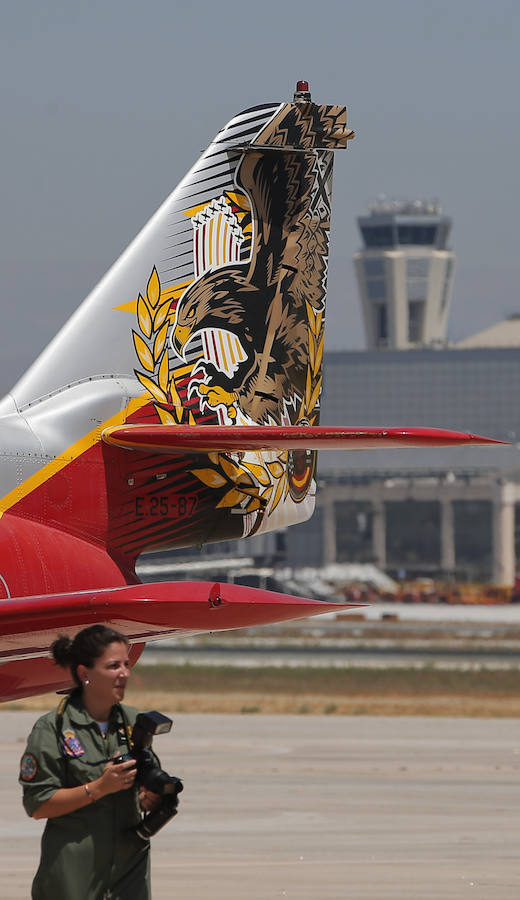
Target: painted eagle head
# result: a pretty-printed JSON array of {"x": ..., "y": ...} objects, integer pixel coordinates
[{"x": 223, "y": 300}]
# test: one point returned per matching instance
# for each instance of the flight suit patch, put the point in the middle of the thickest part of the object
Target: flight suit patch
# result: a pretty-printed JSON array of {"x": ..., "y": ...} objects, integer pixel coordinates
[
  {"x": 28, "y": 767},
  {"x": 71, "y": 744}
]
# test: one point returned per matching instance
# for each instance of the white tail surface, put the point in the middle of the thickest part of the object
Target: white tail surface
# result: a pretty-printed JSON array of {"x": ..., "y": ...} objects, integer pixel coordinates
[{"x": 97, "y": 339}]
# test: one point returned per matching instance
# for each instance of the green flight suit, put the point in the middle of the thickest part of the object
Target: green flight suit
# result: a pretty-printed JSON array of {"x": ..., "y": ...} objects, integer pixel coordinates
[{"x": 90, "y": 854}]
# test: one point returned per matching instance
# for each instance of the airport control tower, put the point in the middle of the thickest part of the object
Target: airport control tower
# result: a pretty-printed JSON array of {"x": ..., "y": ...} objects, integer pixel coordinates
[{"x": 405, "y": 274}]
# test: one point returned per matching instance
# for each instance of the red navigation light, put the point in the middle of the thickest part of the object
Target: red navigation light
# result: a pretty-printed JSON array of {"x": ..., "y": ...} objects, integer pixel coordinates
[{"x": 302, "y": 86}]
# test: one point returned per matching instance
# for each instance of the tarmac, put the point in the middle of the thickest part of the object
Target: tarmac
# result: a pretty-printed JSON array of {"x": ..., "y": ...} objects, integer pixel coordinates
[{"x": 316, "y": 807}]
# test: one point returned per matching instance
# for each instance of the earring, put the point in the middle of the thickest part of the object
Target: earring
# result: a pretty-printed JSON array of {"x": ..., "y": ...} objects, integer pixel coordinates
[{"x": 86, "y": 681}]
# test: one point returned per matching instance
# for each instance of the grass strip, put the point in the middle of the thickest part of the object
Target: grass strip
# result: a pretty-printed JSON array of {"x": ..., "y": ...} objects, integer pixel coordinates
[
  {"x": 427, "y": 681},
  {"x": 428, "y": 691}
]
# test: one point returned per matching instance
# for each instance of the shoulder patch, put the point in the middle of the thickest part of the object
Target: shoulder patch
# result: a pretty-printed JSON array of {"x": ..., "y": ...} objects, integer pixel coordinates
[
  {"x": 28, "y": 767},
  {"x": 72, "y": 744}
]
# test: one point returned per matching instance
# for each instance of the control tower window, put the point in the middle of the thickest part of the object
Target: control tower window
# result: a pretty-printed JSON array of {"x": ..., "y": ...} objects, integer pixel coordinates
[
  {"x": 381, "y": 320},
  {"x": 417, "y": 234},
  {"x": 378, "y": 236},
  {"x": 415, "y": 321}
]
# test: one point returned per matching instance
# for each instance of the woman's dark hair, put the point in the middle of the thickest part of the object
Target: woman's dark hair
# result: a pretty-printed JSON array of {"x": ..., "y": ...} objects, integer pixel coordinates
[{"x": 87, "y": 646}]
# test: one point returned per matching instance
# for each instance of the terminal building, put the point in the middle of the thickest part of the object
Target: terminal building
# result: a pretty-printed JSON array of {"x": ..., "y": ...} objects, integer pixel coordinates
[{"x": 447, "y": 512}]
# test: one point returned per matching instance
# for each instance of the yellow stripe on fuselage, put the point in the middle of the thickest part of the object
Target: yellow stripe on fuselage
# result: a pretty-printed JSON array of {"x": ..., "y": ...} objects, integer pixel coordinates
[{"x": 69, "y": 455}]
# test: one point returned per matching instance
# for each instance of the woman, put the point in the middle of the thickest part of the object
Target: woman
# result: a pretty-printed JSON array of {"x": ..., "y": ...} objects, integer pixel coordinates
[{"x": 89, "y": 847}]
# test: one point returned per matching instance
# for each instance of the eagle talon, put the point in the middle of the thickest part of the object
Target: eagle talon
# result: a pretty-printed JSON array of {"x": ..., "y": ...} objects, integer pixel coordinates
[
  {"x": 214, "y": 396},
  {"x": 193, "y": 388}
]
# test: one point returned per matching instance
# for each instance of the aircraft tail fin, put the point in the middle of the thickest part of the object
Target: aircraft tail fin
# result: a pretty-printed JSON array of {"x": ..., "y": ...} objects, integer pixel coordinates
[{"x": 230, "y": 268}]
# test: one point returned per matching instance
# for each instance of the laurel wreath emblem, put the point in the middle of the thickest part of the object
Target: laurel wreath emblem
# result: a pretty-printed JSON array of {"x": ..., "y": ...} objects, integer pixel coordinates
[
  {"x": 313, "y": 384},
  {"x": 155, "y": 316}
]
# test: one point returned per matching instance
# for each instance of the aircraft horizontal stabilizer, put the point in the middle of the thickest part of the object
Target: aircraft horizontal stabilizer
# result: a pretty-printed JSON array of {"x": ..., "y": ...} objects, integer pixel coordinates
[
  {"x": 229, "y": 438},
  {"x": 144, "y": 612}
]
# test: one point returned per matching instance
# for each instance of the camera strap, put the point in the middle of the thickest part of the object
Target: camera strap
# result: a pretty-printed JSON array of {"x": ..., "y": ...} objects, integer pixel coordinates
[
  {"x": 60, "y": 737},
  {"x": 59, "y": 721},
  {"x": 60, "y": 712},
  {"x": 126, "y": 727}
]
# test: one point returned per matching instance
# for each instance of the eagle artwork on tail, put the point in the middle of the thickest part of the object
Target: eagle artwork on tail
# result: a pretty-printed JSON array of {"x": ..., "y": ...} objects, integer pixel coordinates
[{"x": 271, "y": 306}]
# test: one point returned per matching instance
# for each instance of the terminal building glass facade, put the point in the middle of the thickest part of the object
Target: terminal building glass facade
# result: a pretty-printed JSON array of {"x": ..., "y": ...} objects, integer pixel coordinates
[{"x": 443, "y": 511}]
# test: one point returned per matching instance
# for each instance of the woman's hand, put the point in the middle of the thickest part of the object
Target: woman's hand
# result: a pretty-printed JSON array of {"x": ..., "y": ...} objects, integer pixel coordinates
[
  {"x": 148, "y": 800},
  {"x": 115, "y": 777}
]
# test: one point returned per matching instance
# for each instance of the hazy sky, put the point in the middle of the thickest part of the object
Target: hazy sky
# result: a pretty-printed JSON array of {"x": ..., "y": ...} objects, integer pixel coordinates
[{"x": 106, "y": 104}]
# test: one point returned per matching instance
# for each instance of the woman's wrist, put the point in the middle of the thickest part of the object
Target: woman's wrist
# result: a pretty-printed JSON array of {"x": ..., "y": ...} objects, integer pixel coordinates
[{"x": 93, "y": 790}]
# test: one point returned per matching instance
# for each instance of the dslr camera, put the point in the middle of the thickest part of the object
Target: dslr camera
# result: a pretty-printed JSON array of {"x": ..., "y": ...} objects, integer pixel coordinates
[{"x": 149, "y": 775}]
